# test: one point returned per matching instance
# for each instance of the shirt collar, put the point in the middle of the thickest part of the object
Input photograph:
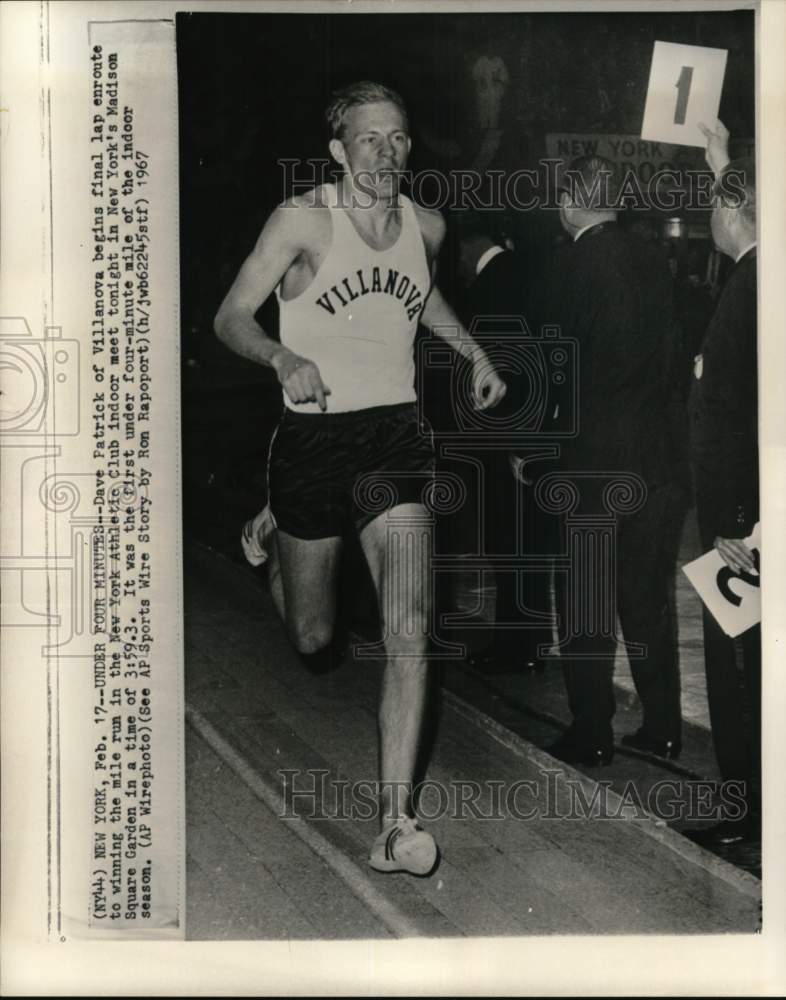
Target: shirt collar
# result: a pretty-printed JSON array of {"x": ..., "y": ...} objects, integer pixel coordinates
[
  {"x": 583, "y": 230},
  {"x": 598, "y": 226},
  {"x": 742, "y": 253},
  {"x": 485, "y": 257}
]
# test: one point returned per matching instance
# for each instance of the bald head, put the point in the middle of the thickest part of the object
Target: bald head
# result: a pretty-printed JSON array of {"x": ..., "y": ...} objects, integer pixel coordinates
[{"x": 588, "y": 193}]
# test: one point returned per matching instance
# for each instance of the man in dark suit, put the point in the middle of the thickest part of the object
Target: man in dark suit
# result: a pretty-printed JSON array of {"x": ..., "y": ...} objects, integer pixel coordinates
[
  {"x": 614, "y": 294},
  {"x": 724, "y": 452},
  {"x": 498, "y": 289}
]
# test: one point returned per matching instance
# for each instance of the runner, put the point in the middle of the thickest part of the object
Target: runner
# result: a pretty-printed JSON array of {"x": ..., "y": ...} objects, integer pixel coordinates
[{"x": 352, "y": 265}]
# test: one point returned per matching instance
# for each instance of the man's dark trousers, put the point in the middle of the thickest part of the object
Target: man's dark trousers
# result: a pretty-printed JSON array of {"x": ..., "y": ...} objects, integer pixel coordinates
[
  {"x": 734, "y": 698},
  {"x": 646, "y": 550},
  {"x": 615, "y": 296}
]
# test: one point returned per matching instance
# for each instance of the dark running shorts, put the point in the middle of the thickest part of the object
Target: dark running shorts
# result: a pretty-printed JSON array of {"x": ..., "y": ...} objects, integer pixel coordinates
[{"x": 328, "y": 471}]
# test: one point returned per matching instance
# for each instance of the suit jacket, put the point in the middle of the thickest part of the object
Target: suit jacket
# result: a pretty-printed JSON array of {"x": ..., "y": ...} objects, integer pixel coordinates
[
  {"x": 614, "y": 293},
  {"x": 502, "y": 288},
  {"x": 724, "y": 411},
  {"x": 499, "y": 301},
  {"x": 493, "y": 308}
]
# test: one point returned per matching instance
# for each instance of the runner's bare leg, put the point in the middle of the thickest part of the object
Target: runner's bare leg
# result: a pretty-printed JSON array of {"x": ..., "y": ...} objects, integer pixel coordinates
[
  {"x": 304, "y": 584},
  {"x": 401, "y": 575},
  {"x": 274, "y": 577}
]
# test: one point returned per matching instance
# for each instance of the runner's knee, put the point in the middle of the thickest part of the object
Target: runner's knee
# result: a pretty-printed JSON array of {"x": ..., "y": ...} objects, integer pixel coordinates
[
  {"x": 310, "y": 637},
  {"x": 405, "y": 648},
  {"x": 408, "y": 626}
]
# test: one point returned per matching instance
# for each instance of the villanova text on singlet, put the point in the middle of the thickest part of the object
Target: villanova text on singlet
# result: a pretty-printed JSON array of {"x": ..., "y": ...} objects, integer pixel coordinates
[{"x": 358, "y": 318}]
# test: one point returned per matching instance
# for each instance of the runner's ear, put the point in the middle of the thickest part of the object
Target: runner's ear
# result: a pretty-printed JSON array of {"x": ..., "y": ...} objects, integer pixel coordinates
[{"x": 336, "y": 147}]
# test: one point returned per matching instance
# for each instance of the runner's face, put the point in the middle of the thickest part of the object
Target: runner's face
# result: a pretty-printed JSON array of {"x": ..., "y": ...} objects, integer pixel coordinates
[{"x": 376, "y": 144}]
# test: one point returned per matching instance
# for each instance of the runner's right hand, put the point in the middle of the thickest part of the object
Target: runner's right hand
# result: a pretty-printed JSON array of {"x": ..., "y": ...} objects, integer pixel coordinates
[{"x": 300, "y": 379}]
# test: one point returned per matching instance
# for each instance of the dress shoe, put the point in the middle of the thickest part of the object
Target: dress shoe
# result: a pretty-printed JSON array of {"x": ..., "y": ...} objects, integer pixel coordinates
[
  {"x": 668, "y": 749},
  {"x": 746, "y": 855},
  {"x": 568, "y": 750},
  {"x": 738, "y": 843},
  {"x": 491, "y": 662},
  {"x": 725, "y": 834},
  {"x": 482, "y": 660}
]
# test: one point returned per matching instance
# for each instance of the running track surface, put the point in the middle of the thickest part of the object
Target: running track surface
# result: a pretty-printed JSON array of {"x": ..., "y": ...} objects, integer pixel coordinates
[{"x": 253, "y": 710}]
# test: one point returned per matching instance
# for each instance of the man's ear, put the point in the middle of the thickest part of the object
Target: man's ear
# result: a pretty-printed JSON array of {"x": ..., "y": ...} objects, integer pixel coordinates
[
  {"x": 565, "y": 203},
  {"x": 336, "y": 147},
  {"x": 727, "y": 217},
  {"x": 736, "y": 221}
]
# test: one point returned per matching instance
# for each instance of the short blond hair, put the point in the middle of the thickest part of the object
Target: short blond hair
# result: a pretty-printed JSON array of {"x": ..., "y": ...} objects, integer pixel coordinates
[{"x": 362, "y": 92}]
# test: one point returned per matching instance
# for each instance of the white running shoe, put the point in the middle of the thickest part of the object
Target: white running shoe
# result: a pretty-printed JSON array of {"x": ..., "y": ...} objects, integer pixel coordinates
[
  {"x": 255, "y": 535},
  {"x": 404, "y": 847}
]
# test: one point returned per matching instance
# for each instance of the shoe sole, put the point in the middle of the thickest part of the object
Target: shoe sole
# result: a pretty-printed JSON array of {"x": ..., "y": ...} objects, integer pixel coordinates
[
  {"x": 251, "y": 556},
  {"x": 411, "y": 858},
  {"x": 255, "y": 553},
  {"x": 391, "y": 867}
]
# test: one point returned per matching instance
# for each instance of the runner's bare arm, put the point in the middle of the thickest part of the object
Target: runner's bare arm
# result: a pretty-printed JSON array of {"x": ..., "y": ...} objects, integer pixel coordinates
[
  {"x": 282, "y": 240},
  {"x": 439, "y": 317},
  {"x": 278, "y": 246}
]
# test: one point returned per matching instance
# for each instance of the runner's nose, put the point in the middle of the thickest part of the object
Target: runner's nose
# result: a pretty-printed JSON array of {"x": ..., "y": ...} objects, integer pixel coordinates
[{"x": 387, "y": 149}]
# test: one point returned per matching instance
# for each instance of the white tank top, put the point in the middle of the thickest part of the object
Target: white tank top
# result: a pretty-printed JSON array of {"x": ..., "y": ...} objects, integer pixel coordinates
[{"x": 358, "y": 318}]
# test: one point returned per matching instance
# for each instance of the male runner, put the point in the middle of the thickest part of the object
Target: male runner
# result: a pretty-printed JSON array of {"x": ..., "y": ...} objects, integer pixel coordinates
[{"x": 352, "y": 266}]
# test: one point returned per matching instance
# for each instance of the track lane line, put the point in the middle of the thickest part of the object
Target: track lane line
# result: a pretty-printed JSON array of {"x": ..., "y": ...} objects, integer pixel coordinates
[{"x": 356, "y": 880}]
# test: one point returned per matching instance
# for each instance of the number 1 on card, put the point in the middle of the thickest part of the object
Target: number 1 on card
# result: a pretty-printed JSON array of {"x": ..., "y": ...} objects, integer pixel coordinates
[
  {"x": 683, "y": 92},
  {"x": 696, "y": 74}
]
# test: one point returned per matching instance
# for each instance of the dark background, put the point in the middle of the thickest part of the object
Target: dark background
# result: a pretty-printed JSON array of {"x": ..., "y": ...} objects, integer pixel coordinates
[{"x": 253, "y": 88}]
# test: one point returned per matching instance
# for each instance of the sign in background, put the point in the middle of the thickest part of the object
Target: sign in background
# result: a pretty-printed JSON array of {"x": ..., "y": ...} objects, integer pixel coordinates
[
  {"x": 629, "y": 152},
  {"x": 734, "y": 599},
  {"x": 642, "y": 158},
  {"x": 684, "y": 90}
]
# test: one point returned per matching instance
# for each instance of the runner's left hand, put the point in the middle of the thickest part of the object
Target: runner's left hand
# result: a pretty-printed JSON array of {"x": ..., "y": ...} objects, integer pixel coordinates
[
  {"x": 487, "y": 386},
  {"x": 517, "y": 463}
]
